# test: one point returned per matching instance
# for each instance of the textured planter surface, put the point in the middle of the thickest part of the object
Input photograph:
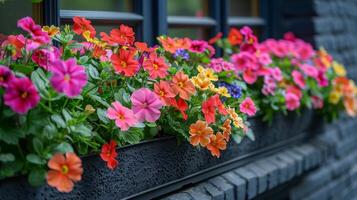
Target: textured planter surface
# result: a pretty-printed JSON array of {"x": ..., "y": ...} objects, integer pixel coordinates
[{"x": 161, "y": 163}]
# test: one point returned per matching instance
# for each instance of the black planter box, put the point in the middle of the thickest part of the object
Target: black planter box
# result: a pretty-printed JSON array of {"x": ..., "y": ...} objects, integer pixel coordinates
[{"x": 156, "y": 167}]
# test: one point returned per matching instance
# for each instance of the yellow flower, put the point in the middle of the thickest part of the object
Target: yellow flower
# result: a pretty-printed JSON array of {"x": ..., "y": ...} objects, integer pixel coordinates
[
  {"x": 51, "y": 30},
  {"x": 339, "y": 69},
  {"x": 86, "y": 35},
  {"x": 89, "y": 109},
  {"x": 325, "y": 57},
  {"x": 207, "y": 73},
  {"x": 237, "y": 121},
  {"x": 334, "y": 97},
  {"x": 223, "y": 91},
  {"x": 201, "y": 82},
  {"x": 96, "y": 41}
]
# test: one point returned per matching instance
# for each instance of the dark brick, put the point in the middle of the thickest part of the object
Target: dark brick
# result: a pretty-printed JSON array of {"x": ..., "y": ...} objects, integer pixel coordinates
[
  {"x": 283, "y": 169},
  {"x": 252, "y": 182},
  {"x": 292, "y": 167},
  {"x": 212, "y": 191},
  {"x": 299, "y": 161},
  {"x": 198, "y": 193},
  {"x": 224, "y": 186},
  {"x": 262, "y": 177},
  {"x": 240, "y": 185},
  {"x": 178, "y": 196},
  {"x": 272, "y": 171}
]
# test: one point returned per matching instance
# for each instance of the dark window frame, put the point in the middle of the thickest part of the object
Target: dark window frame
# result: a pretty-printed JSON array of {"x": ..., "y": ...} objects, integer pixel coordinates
[{"x": 151, "y": 18}]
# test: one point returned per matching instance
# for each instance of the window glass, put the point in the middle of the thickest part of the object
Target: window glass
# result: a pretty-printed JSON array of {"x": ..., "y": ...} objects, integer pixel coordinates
[
  {"x": 98, "y": 5},
  {"x": 243, "y": 8},
  {"x": 196, "y": 8},
  {"x": 8, "y": 18},
  {"x": 193, "y": 33}
]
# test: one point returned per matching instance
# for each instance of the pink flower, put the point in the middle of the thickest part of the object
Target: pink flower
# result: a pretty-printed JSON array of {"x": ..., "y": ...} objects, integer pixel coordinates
[
  {"x": 248, "y": 107},
  {"x": 21, "y": 95},
  {"x": 44, "y": 58},
  {"x": 218, "y": 64},
  {"x": 146, "y": 105},
  {"x": 269, "y": 86},
  {"x": 309, "y": 70},
  {"x": 5, "y": 76},
  {"x": 276, "y": 73},
  {"x": 68, "y": 77},
  {"x": 123, "y": 116},
  {"x": 264, "y": 59},
  {"x": 298, "y": 79},
  {"x": 250, "y": 76},
  {"x": 156, "y": 66},
  {"x": 243, "y": 60},
  {"x": 198, "y": 46},
  {"x": 27, "y": 24},
  {"x": 304, "y": 50},
  {"x": 295, "y": 90},
  {"x": 292, "y": 101},
  {"x": 322, "y": 79},
  {"x": 317, "y": 102}
]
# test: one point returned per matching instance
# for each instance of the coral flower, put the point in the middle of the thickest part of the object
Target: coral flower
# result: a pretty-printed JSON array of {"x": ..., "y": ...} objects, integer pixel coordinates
[
  {"x": 235, "y": 37},
  {"x": 292, "y": 101},
  {"x": 298, "y": 79},
  {"x": 173, "y": 44},
  {"x": 248, "y": 107},
  {"x": 215, "y": 38},
  {"x": 68, "y": 77},
  {"x": 5, "y": 76},
  {"x": 18, "y": 42},
  {"x": 123, "y": 116},
  {"x": 182, "y": 85},
  {"x": 209, "y": 108},
  {"x": 124, "y": 35},
  {"x": 250, "y": 76},
  {"x": 350, "y": 104},
  {"x": 124, "y": 62},
  {"x": 156, "y": 66},
  {"x": 64, "y": 171},
  {"x": 146, "y": 105},
  {"x": 200, "y": 133},
  {"x": 21, "y": 95},
  {"x": 82, "y": 25},
  {"x": 27, "y": 24},
  {"x": 180, "y": 105},
  {"x": 164, "y": 91},
  {"x": 217, "y": 143},
  {"x": 226, "y": 128},
  {"x": 109, "y": 154}
]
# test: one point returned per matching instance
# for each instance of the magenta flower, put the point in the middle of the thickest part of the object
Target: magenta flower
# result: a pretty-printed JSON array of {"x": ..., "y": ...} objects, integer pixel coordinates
[
  {"x": 35, "y": 30},
  {"x": 123, "y": 116},
  {"x": 322, "y": 79},
  {"x": 276, "y": 73},
  {"x": 44, "y": 58},
  {"x": 5, "y": 76},
  {"x": 198, "y": 46},
  {"x": 21, "y": 95},
  {"x": 146, "y": 105},
  {"x": 68, "y": 77},
  {"x": 298, "y": 79},
  {"x": 248, "y": 107}
]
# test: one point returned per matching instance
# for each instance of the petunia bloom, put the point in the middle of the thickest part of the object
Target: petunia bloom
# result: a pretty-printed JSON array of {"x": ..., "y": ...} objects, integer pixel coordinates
[
  {"x": 5, "y": 76},
  {"x": 235, "y": 37},
  {"x": 209, "y": 108},
  {"x": 317, "y": 102},
  {"x": 21, "y": 95},
  {"x": 164, "y": 91},
  {"x": 198, "y": 46},
  {"x": 123, "y": 116},
  {"x": 218, "y": 142},
  {"x": 146, "y": 105},
  {"x": 180, "y": 105},
  {"x": 68, "y": 77},
  {"x": 124, "y": 35},
  {"x": 298, "y": 79},
  {"x": 109, "y": 154},
  {"x": 64, "y": 171},
  {"x": 200, "y": 133},
  {"x": 248, "y": 107},
  {"x": 82, "y": 25},
  {"x": 292, "y": 101},
  {"x": 35, "y": 30},
  {"x": 182, "y": 85},
  {"x": 44, "y": 58},
  {"x": 215, "y": 38},
  {"x": 124, "y": 63},
  {"x": 156, "y": 66}
]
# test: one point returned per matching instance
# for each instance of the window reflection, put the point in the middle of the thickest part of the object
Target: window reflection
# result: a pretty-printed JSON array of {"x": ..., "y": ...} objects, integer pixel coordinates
[
  {"x": 197, "y": 8},
  {"x": 98, "y": 5}
]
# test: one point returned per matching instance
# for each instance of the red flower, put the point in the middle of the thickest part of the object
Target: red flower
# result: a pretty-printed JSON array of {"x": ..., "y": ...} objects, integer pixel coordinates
[
  {"x": 124, "y": 62},
  {"x": 235, "y": 37},
  {"x": 156, "y": 66},
  {"x": 124, "y": 35},
  {"x": 81, "y": 25},
  {"x": 209, "y": 108},
  {"x": 180, "y": 105},
  {"x": 164, "y": 91},
  {"x": 215, "y": 38},
  {"x": 109, "y": 154}
]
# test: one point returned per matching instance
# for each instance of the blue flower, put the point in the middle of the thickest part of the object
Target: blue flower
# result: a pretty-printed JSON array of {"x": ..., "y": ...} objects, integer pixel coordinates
[
  {"x": 182, "y": 53},
  {"x": 234, "y": 90}
]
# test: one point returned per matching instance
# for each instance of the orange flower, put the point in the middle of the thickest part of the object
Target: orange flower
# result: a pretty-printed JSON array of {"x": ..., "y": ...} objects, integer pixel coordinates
[
  {"x": 235, "y": 37},
  {"x": 51, "y": 30},
  {"x": 124, "y": 62},
  {"x": 64, "y": 171},
  {"x": 218, "y": 142},
  {"x": 350, "y": 104},
  {"x": 82, "y": 25},
  {"x": 173, "y": 44},
  {"x": 164, "y": 91},
  {"x": 200, "y": 133},
  {"x": 182, "y": 85},
  {"x": 226, "y": 127}
]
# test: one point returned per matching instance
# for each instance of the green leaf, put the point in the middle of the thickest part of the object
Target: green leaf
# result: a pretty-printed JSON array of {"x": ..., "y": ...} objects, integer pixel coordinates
[
  {"x": 50, "y": 131},
  {"x": 11, "y": 135},
  {"x": 102, "y": 115},
  {"x": 83, "y": 130},
  {"x": 64, "y": 147},
  {"x": 39, "y": 79},
  {"x": 58, "y": 120},
  {"x": 35, "y": 159},
  {"x": 82, "y": 60},
  {"x": 123, "y": 97},
  {"x": 93, "y": 72},
  {"x": 7, "y": 157},
  {"x": 132, "y": 136},
  {"x": 99, "y": 99},
  {"x": 36, "y": 177},
  {"x": 37, "y": 145},
  {"x": 151, "y": 124},
  {"x": 250, "y": 134},
  {"x": 237, "y": 138}
]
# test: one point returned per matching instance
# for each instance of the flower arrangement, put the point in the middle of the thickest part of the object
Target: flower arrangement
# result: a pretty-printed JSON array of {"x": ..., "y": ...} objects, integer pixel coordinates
[
  {"x": 93, "y": 94},
  {"x": 288, "y": 74}
]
